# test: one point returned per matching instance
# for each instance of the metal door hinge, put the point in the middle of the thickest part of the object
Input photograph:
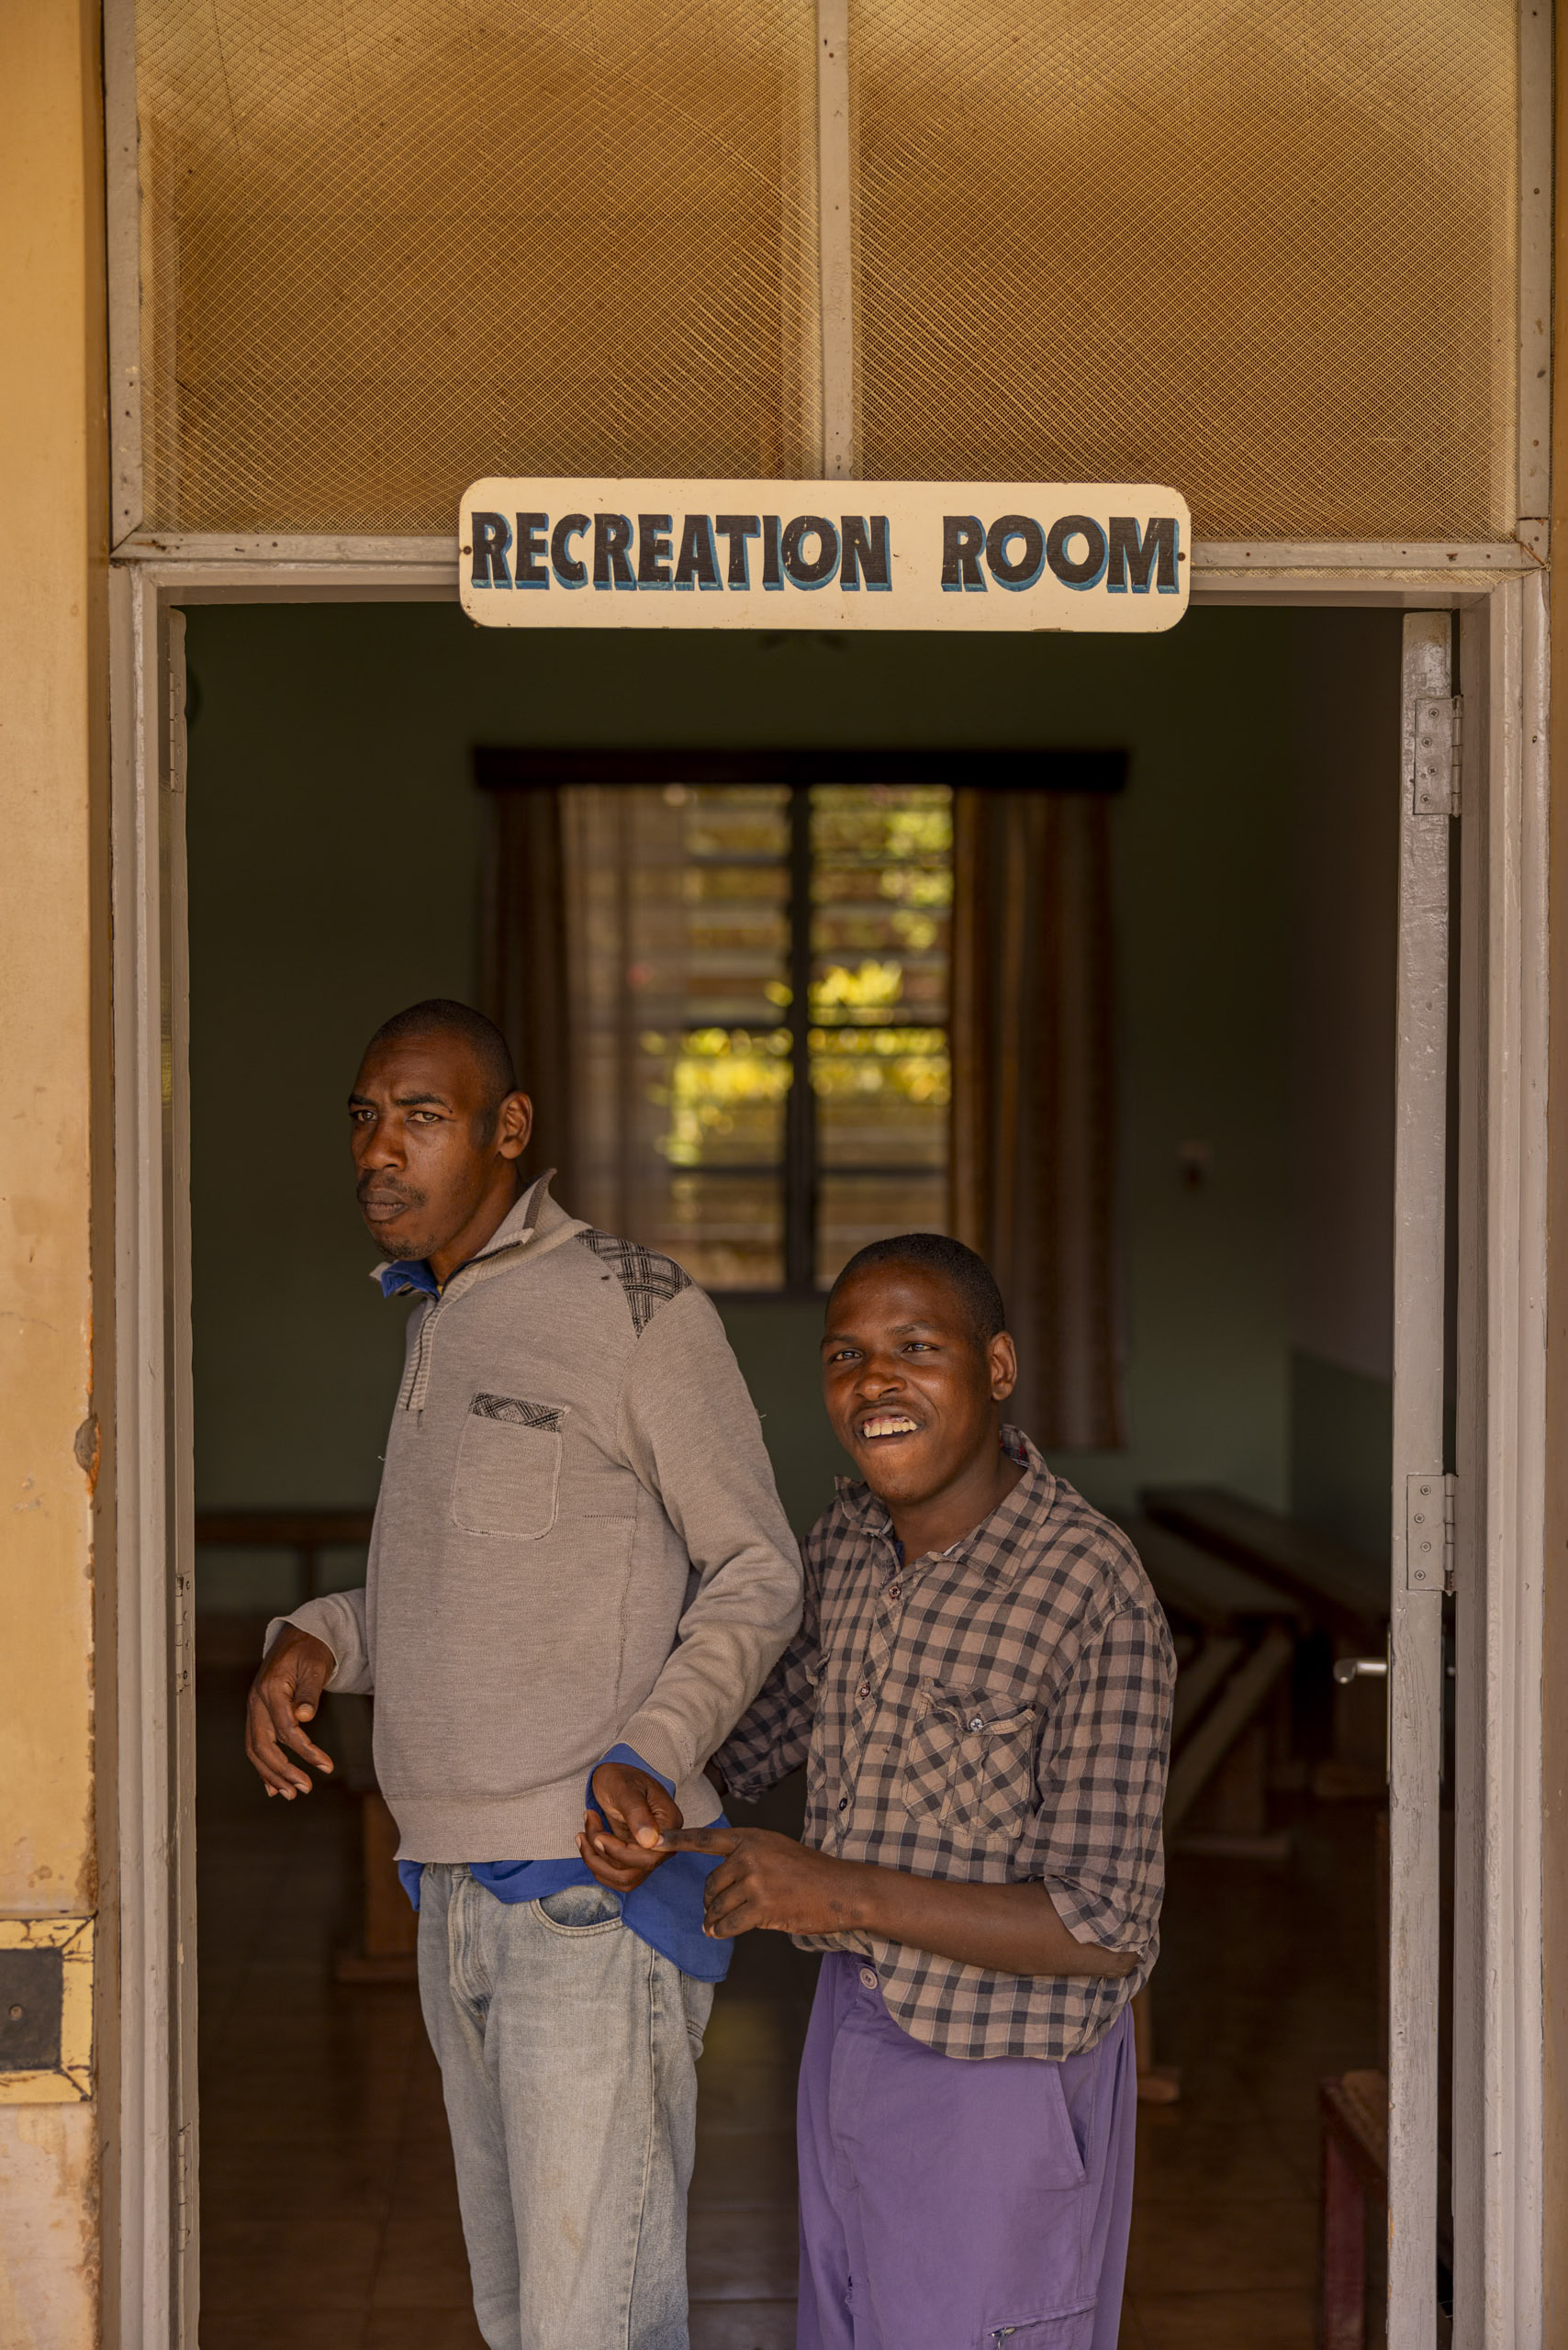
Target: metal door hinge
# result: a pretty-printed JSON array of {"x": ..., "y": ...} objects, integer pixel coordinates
[
  {"x": 1435, "y": 784},
  {"x": 183, "y": 2183},
  {"x": 1428, "y": 1530},
  {"x": 174, "y": 779},
  {"x": 183, "y": 1630}
]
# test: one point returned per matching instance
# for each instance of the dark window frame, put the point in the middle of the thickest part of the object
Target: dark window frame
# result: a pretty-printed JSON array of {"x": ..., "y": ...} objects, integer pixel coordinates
[{"x": 502, "y": 768}]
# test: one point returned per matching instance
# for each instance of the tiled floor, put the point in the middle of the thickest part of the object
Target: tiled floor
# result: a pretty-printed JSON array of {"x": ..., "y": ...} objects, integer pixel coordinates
[{"x": 328, "y": 2209}]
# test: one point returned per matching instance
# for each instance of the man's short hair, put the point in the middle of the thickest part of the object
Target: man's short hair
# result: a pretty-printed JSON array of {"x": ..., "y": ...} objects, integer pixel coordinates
[
  {"x": 936, "y": 1252},
  {"x": 441, "y": 1015}
]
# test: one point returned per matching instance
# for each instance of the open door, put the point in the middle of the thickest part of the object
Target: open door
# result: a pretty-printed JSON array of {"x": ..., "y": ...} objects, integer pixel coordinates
[
  {"x": 1468, "y": 1323},
  {"x": 1421, "y": 1547}
]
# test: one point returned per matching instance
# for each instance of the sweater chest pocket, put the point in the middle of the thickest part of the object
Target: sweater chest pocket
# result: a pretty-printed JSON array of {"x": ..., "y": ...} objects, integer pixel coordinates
[
  {"x": 508, "y": 1479},
  {"x": 970, "y": 1763}
]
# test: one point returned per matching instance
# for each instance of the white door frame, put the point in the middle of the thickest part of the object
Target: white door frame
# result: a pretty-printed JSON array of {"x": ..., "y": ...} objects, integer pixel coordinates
[
  {"x": 1499, "y": 2116},
  {"x": 1498, "y": 2119},
  {"x": 150, "y": 2218}
]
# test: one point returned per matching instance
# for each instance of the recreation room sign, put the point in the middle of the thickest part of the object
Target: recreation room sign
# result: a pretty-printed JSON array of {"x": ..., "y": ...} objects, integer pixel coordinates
[{"x": 915, "y": 555}]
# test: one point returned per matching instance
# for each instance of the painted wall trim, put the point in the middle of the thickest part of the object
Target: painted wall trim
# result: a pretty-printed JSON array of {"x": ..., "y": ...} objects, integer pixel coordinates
[
  {"x": 836, "y": 240},
  {"x": 436, "y": 558},
  {"x": 1499, "y": 2110},
  {"x": 155, "y": 2237},
  {"x": 1535, "y": 163},
  {"x": 1512, "y": 2021},
  {"x": 123, "y": 202}
]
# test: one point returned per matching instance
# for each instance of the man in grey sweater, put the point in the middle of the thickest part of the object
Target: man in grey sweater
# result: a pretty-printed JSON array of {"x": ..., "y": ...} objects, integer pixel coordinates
[{"x": 580, "y": 1572}]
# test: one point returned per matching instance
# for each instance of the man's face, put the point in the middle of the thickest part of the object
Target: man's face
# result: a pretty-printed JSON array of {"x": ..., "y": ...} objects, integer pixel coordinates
[
  {"x": 910, "y": 1390},
  {"x": 429, "y": 1147}
]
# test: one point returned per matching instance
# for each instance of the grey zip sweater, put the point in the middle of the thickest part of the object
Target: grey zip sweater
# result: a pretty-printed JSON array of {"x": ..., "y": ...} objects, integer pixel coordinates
[{"x": 577, "y": 1545}]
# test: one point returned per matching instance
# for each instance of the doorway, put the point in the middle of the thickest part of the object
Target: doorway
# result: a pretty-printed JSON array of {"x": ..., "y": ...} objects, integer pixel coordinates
[{"x": 1221, "y": 1276}]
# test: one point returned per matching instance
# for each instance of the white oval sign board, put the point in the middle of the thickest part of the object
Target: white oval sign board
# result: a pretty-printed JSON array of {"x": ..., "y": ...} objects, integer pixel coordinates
[{"x": 823, "y": 555}]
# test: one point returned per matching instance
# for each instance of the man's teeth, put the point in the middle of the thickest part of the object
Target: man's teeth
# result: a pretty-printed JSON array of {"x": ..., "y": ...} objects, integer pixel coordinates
[{"x": 889, "y": 1423}]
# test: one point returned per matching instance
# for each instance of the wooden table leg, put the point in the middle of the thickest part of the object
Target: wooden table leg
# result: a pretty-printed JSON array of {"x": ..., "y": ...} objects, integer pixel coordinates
[
  {"x": 1344, "y": 2252},
  {"x": 1157, "y": 2084},
  {"x": 391, "y": 1926}
]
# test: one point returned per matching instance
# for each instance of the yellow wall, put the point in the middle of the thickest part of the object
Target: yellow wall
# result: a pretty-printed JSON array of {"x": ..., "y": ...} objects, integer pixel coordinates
[
  {"x": 53, "y": 1104},
  {"x": 52, "y": 794}
]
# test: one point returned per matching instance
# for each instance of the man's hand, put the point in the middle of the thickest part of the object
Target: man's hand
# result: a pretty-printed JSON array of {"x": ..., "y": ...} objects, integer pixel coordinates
[
  {"x": 627, "y": 1843},
  {"x": 768, "y": 1880},
  {"x": 637, "y": 1808},
  {"x": 771, "y": 1881},
  {"x": 621, "y": 1866},
  {"x": 284, "y": 1695}
]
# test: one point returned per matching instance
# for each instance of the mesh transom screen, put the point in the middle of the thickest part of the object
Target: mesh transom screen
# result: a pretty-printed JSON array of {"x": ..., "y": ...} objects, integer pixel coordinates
[
  {"x": 1264, "y": 249},
  {"x": 390, "y": 245}
]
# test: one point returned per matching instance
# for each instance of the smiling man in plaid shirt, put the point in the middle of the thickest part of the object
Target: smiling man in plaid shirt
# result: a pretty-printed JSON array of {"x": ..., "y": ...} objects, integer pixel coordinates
[{"x": 981, "y": 1692}]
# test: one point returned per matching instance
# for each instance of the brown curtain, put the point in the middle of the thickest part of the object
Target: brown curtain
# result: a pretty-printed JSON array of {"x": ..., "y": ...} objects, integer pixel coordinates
[
  {"x": 1034, "y": 1095},
  {"x": 584, "y": 954},
  {"x": 524, "y": 983}
]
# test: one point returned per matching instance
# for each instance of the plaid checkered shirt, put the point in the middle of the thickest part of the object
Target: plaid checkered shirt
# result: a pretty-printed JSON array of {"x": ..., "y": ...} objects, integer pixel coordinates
[{"x": 997, "y": 1713}]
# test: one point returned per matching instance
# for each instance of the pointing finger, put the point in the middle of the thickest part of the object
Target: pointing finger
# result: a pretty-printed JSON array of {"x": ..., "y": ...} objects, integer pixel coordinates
[
  {"x": 722, "y": 1840},
  {"x": 623, "y": 1854},
  {"x": 618, "y": 1880}
]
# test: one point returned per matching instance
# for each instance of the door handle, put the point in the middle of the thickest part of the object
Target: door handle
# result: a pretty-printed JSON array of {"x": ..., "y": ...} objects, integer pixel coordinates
[
  {"x": 1368, "y": 1668},
  {"x": 1347, "y": 1669}
]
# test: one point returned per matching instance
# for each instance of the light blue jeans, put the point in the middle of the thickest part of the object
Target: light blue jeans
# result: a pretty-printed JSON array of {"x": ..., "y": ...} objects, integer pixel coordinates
[{"x": 567, "y": 2049}]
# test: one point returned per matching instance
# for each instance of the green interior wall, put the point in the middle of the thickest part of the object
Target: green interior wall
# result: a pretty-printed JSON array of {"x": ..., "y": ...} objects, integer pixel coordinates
[
  {"x": 1341, "y": 1447},
  {"x": 334, "y": 843},
  {"x": 1343, "y": 711}
]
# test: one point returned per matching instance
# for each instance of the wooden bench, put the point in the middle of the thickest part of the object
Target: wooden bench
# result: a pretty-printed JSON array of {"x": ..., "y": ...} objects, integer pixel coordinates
[
  {"x": 1341, "y": 1593},
  {"x": 1353, "y": 2110},
  {"x": 1353, "y": 2114},
  {"x": 1335, "y": 1587},
  {"x": 1236, "y": 1638},
  {"x": 1334, "y": 1590}
]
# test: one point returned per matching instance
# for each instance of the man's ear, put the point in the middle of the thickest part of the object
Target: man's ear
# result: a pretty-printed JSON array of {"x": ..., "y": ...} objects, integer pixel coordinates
[
  {"x": 1001, "y": 1356},
  {"x": 514, "y": 1124}
]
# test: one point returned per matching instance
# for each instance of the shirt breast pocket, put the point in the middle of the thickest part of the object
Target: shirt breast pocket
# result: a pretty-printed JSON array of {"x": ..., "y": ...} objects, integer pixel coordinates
[
  {"x": 508, "y": 1479},
  {"x": 970, "y": 1762}
]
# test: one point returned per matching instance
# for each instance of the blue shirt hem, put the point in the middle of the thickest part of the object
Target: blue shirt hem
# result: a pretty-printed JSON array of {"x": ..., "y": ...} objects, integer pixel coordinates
[{"x": 665, "y": 1910}]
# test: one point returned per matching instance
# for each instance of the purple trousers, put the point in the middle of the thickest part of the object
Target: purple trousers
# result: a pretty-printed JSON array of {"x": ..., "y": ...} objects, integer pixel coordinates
[{"x": 954, "y": 2205}]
